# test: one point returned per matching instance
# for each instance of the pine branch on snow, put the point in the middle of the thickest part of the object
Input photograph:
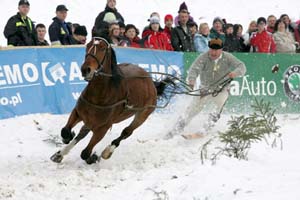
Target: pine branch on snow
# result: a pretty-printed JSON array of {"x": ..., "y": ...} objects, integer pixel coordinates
[{"x": 243, "y": 131}]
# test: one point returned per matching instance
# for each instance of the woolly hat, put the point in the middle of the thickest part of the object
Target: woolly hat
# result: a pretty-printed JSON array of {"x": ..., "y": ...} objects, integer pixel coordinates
[
  {"x": 154, "y": 20},
  {"x": 24, "y": 2},
  {"x": 154, "y": 14},
  {"x": 110, "y": 17},
  {"x": 215, "y": 43},
  {"x": 183, "y": 8},
  {"x": 218, "y": 19},
  {"x": 80, "y": 30},
  {"x": 261, "y": 19},
  {"x": 168, "y": 17}
]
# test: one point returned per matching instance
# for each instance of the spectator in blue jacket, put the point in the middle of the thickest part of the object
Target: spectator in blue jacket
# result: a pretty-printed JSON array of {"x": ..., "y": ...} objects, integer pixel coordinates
[
  {"x": 202, "y": 38},
  {"x": 59, "y": 31}
]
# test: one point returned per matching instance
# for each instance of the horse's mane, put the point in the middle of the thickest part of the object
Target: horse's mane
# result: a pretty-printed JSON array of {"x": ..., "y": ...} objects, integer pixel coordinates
[{"x": 116, "y": 73}]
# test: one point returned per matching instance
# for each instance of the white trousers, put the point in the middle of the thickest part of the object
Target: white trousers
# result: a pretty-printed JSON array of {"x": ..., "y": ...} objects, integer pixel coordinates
[{"x": 196, "y": 106}]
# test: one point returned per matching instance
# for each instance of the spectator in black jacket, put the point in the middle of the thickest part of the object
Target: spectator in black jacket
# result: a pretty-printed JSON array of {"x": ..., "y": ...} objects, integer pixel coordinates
[
  {"x": 110, "y": 7},
  {"x": 79, "y": 35},
  {"x": 20, "y": 30},
  {"x": 60, "y": 32},
  {"x": 41, "y": 32},
  {"x": 181, "y": 37},
  {"x": 232, "y": 43},
  {"x": 238, "y": 33}
]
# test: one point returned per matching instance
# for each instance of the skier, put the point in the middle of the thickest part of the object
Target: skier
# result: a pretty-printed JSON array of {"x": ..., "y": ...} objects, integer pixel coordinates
[{"x": 216, "y": 69}]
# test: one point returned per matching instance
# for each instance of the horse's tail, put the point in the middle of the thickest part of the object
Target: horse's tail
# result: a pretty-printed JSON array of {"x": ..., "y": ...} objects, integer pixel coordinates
[{"x": 162, "y": 85}]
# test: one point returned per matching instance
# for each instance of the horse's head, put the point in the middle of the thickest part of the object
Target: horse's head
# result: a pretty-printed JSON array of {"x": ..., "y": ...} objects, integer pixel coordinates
[{"x": 97, "y": 58}]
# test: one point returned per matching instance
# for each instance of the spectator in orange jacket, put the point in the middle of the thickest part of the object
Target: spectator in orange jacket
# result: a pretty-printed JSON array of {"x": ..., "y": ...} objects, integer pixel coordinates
[
  {"x": 262, "y": 40},
  {"x": 156, "y": 39}
]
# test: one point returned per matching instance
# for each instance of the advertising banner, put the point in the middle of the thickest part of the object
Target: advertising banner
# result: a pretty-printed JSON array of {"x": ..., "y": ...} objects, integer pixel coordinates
[{"x": 262, "y": 81}]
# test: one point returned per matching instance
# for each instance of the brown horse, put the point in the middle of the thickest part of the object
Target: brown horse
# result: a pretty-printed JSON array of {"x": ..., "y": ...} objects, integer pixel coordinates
[{"x": 113, "y": 94}]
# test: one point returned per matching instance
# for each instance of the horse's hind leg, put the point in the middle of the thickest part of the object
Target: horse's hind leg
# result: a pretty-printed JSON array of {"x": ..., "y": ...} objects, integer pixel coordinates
[
  {"x": 139, "y": 119},
  {"x": 58, "y": 156},
  {"x": 66, "y": 133}
]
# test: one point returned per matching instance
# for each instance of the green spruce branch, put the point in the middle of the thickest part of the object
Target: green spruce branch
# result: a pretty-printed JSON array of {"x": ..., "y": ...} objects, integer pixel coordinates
[{"x": 243, "y": 132}]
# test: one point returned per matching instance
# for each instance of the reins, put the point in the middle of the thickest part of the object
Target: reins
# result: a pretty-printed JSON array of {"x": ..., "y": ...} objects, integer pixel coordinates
[{"x": 220, "y": 84}]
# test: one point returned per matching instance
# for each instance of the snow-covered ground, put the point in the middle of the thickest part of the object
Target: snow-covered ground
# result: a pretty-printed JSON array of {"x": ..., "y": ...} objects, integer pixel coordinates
[
  {"x": 138, "y": 11},
  {"x": 145, "y": 166}
]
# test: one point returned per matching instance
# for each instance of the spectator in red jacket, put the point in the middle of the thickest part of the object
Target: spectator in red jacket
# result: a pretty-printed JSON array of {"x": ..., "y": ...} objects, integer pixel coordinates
[
  {"x": 168, "y": 25},
  {"x": 147, "y": 30},
  {"x": 262, "y": 40},
  {"x": 156, "y": 39}
]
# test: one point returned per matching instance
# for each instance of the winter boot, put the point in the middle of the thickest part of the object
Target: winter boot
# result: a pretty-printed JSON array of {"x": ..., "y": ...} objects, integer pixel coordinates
[{"x": 178, "y": 127}]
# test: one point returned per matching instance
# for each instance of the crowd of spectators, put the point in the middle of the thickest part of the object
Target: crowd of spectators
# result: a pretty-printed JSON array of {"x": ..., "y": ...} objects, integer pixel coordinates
[{"x": 179, "y": 33}]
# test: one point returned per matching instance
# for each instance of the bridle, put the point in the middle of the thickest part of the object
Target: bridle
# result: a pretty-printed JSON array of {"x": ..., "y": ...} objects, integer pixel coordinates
[{"x": 100, "y": 67}]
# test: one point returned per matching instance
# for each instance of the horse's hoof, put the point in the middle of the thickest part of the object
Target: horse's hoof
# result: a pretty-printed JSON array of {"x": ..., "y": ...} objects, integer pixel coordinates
[
  {"x": 93, "y": 159},
  {"x": 57, "y": 157},
  {"x": 108, "y": 151},
  {"x": 66, "y": 141},
  {"x": 67, "y": 135}
]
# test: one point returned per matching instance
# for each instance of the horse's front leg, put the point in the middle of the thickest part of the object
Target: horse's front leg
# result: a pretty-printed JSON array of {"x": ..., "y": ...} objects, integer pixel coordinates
[
  {"x": 98, "y": 134},
  {"x": 66, "y": 132},
  {"x": 58, "y": 156}
]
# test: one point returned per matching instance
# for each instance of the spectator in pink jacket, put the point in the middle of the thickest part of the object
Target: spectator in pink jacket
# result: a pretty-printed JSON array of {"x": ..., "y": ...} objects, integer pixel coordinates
[{"x": 262, "y": 40}]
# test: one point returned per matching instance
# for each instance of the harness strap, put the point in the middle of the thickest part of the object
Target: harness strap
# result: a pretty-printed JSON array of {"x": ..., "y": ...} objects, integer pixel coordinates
[{"x": 124, "y": 101}]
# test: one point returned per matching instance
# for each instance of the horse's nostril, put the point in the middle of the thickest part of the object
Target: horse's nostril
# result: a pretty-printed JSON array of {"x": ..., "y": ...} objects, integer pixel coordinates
[
  {"x": 88, "y": 70},
  {"x": 85, "y": 71}
]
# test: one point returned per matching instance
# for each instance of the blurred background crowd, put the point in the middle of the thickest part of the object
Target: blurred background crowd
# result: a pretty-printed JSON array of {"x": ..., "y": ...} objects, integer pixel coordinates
[{"x": 180, "y": 32}]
